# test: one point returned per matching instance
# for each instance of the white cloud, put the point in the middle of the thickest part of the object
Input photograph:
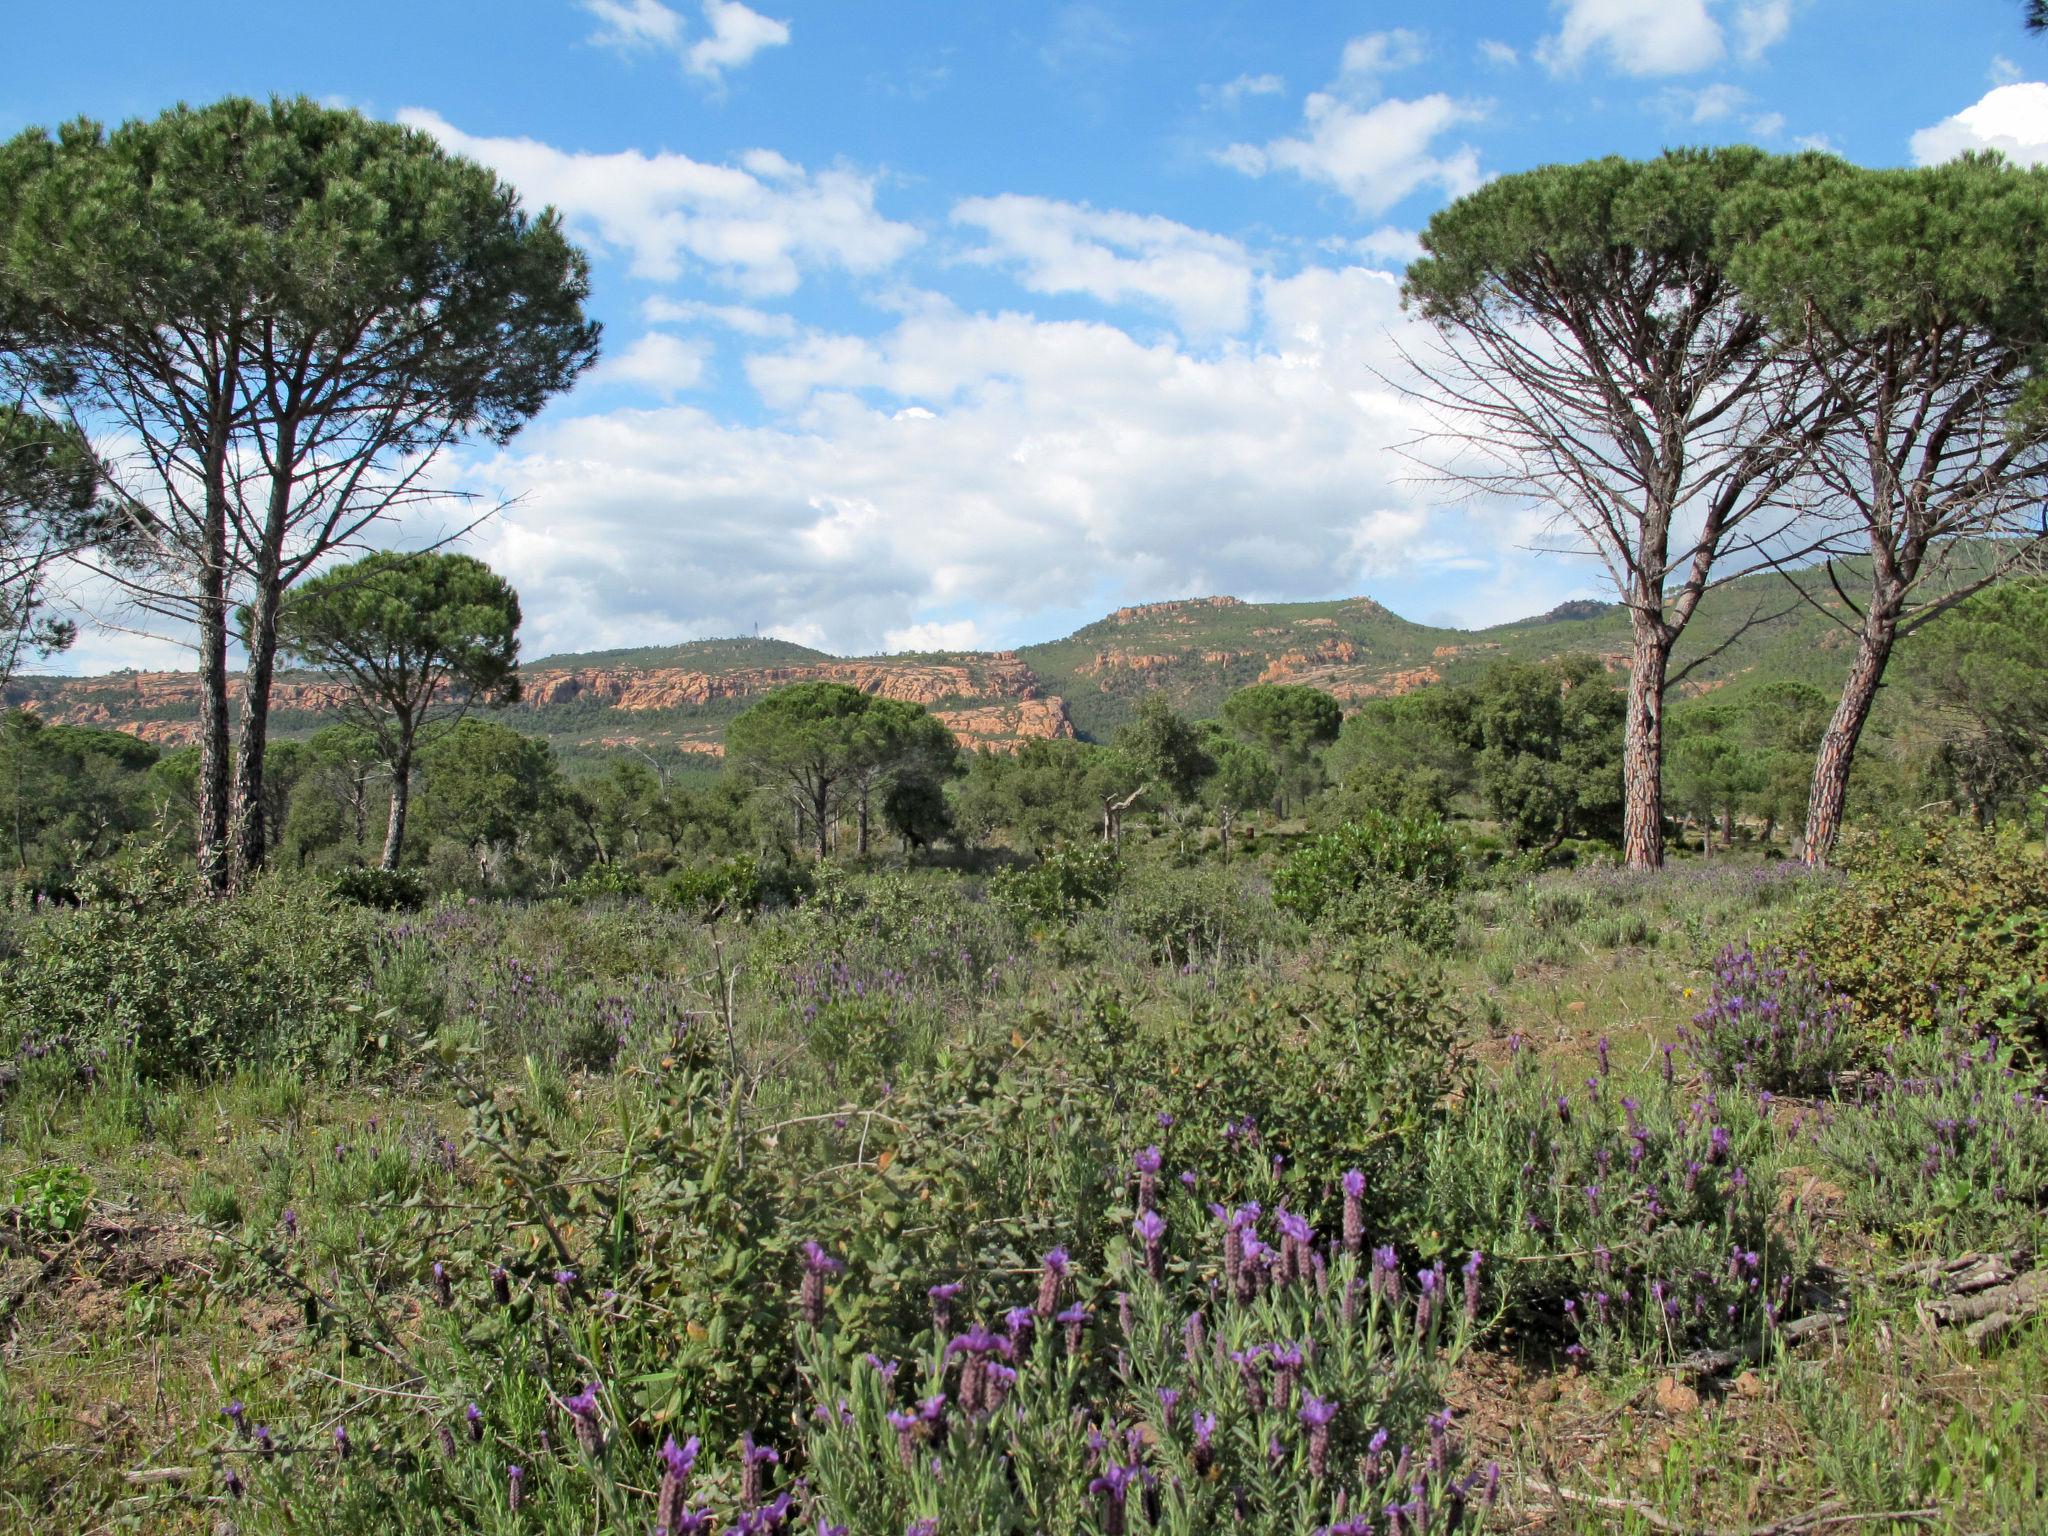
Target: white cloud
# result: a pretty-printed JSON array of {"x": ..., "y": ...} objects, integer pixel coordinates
[
  {"x": 992, "y": 468},
  {"x": 1388, "y": 244},
  {"x": 1662, "y": 37},
  {"x": 1760, "y": 24},
  {"x": 1232, "y": 92},
  {"x": 1202, "y": 280},
  {"x": 1710, "y": 104},
  {"x": 1767, "y": 125},
  {"x": 668, "y": 212},
  {"x": 1378, "y": 53},
  {"x": 658, "y": 362},
  {"x": 742, "y": 318},
  {"x": 1497, "y": 53},
  {"x": 1375, "y": 155},
  {"x": 2012, "y": 119},
  {"x": 737, "y": 34},
  {"x": 936, "y": 635},
  {"x": 2003, "y": 71},
  {"x": 631, "y": 25}
]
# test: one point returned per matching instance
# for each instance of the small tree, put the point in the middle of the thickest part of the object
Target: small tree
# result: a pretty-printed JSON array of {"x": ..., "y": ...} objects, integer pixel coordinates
[
  {"x": 1243, "y": 778},
  {"x": 1293, "y": 723},
  {"x": 1984, "y": 668},
  {"x": 1550, "y": 748},
  {"x": 1160, "y": 750},
  {"x": 419, "y": 639}
]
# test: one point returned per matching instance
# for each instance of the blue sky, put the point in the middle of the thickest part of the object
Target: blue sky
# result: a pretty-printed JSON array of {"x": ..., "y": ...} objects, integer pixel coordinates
[{"x": 951, "y": 324}]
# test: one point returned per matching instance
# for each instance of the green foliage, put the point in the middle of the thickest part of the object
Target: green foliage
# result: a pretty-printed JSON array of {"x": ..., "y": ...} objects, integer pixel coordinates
[
  {"x": 1985, "y": 668},
  {"x": 1061, "y": 885},
  {"x": 50, "y": 1202},
  {"x": 1292, "y": 723},
  {"x": 1195, "y": 917},
  {"x": 1409, "y": 755},
  {"x": 1550, "y": 749},
  {"x": 1162, "y": 750},
  {"x": 1380, "y": 874},
  {"x": 1934, "y": 918},
  {"x": 1045, "y": 793},
  {"x": 1947, "y": 1145},
  {"x": 385, "y": 890},
  {"x": 145, "y": 970},
  {"x": 741, "y": 884}
]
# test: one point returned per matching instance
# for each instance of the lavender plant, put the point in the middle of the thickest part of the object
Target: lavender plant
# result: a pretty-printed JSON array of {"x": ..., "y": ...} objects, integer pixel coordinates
[
  {"x": 1947, "y": 1143},
  {"x": 1770, "y": 1023}
]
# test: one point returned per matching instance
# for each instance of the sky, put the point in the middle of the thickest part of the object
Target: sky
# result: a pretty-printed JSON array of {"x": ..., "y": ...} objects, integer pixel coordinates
[{"x": 943, "y": 324}]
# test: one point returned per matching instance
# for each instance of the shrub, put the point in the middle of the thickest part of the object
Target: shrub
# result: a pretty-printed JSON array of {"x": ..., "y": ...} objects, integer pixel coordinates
[
  {"x": 383, "y": 890},
  {"x": 1921, "y": 917},
  {"x": 1947, "y": 1144},
  {"x": 1066, "y": 882},
  {"x": 741, "y": 884},
  {"x": 1770, "y": 1022},
  {"x": 1377, "y": 875},
  {"x": 147, "y": 968},
  {"x": 1626, "y": 1219},
  {"x": 1190, "y": 916}
]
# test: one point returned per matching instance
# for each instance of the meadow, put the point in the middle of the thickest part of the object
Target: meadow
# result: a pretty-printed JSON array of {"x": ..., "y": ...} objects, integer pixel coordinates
[{"x": 1351, "y": 1183}]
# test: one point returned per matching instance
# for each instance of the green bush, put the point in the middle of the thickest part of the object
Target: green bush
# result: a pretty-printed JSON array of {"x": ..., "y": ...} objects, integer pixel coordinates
[
  {"x": 382, "y": 890},
  {"x": 1195, "y": 916},
  {"x": 191, "y": 985},
  {"x": 1066, "y": 882},
  {"x": 741, "y": 885},
  {"x": 1932, "y": 919},
  {"x": 1381, "y": 874}
]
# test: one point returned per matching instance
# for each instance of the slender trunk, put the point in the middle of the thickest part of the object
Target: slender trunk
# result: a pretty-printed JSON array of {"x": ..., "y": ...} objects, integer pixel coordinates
[
  {"x": 214, "y": 749},
  {"x": 1642, "y": 747},
  {"x": 248, "y": 842},
  {"x": 401, "y": 802},
  {"x": 861, "y": 847},
  {"x": 821, "y": 805},
  {"x": 1830, "y": 793},
  {"x": 1223, "y": 833},
  {"x": 1728, "y": 826}
]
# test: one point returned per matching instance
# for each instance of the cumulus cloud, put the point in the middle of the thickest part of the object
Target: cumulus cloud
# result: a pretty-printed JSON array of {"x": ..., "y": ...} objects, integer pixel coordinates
[
  {"x": 758, "y": 225},
  {"x": 1375, "y": 155},
  {"x": 1388, "y": 244},
  {"x": 997, "y": 465},
  {"x": 741, "y": 318},
  {"x": 663, "y": 364},
  {"x": 1662, "y": 37},
  {"x": 936, "y": 635},
  {"x": 630, "y": 25},
  {"x": 1377, "y": 53},
  {"x": 736, "y": 35},
  {"x": 1202, "y": 280},
  {"x": 2012, "y": 119},
  {"x": 1497, "y": 53}
]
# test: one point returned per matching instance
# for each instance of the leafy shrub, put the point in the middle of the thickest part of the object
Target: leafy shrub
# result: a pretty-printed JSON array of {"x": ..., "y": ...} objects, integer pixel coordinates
[
  {"x": 602, "y": 881},
  {"x": 1066, "y": 882},
  {"x": 1634, "y": 1222},
  {"x": 1925, "y": 916},
  {"x": 383, "y": 890},
  {"x": 50, "y": 1202},
  {"x": 1379, "y": 874},
  {"x": 152, "y": 970},
  {"x": 1189, "y": 916},
  {"x": 1947, "y": 1144},
  {"x": 740, "y": 884},
  {"x": 1770, "y": 1022}
]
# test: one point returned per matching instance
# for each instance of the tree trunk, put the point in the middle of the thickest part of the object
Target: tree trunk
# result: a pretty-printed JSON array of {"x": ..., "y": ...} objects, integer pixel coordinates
[
  {"x": 401, "y": 802},
  {"x": 214, "y": 750},
  {"x": 820, "y": 813},
  {"x": 1223, "y": 819},
  {"x": 1642, "y": 747},
  {"x": 248, "y": 832},
  {"x": 861, "y": 847},
  {"x": 1830, "y": 791}
]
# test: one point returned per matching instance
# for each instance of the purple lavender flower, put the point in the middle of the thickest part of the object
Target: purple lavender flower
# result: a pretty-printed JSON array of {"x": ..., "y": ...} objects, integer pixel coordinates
[
  {"x": 444, "y": 1291},
  {"x": 811, "y": 1295},
  {"x": 341, "y": 1441},
  {"x": 1471, "y": 1274},
  {"x": 515, "y": 1483},
  {"x": 238, "y": 1417},
  {"x": 1318, "y": 1413},
  {"x": 473, "y": 1416},
  {"x": 941, "y": 1298},
  {"x": 585, "y": 1419},
  {"x": 501, "y": 1285},
  {"x": 1114, "y": 1485},
  {"x": 1169, "y": 1399},
  {"x": 670, "y": 1502},
  {"x": 1051, "y": 1277},
  {"x": 1354, "y": 1210},
  {"x": 1074, "y": 1319},
  {"x": 752, "y": 1459},
  {"x": 1205, "y": 1451},
  {"x": 1151, "y": 1229},
  {"x": 1148, "y": 1164}
]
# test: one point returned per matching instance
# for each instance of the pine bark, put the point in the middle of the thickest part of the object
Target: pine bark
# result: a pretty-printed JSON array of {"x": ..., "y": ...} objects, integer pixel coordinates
[
  {"x": 1829, "y": 796},
  {"x": 1642, "y": 746}
]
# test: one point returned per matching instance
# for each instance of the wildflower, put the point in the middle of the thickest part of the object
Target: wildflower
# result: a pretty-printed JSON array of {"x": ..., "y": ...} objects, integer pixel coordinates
[
  {"x": 1287, "y": 1362},
  {"x": 1114, "y": 1484},
  {"x": 1074, "y": 1319},
  {"x": 233, "y": 1483},
  {"x": 1247, "y": 1363},
  {"x": 1148, "y": 1163},
  {"x": 811, "y": 1297},
  {"x": 929, "y": 1526},
  {"x": 474, "y": 1417},
  {"x": 237, "y": 1416},
  {"x": 1354, "y": 1211},
  {"x": 583, "y": 1418},
  {"x": 1471, "y": 1274},
  {"x": 1317, "y": 1413},
  {"x": 501, "y": 1285},
  {"x": 564, "y": 1279},
  {"x": 1205, "y": 1452},
  {"x": 444, "y": 1437},
  {"x": 1601, "y": 1048},
  {"x": 1169, "y": 1399},
  {"x": 1051, "y": 1276},
  {"x": 341, "y": 1441},
  {"x": 265, "y": 1441},
  {"x": 515, "y": 1480},
  {"x": 1151, "y": 1228},
  {"x": 290, "y": 1220},
  {"x": 1386, "y": 1273},
  {"x": 444, "y": 1291},
  {"x": 905, "y": 1425},
  {"x": 676, "y": 1462},
  {"x": 752, "y": 1458},
  {"x": 1195, "y": 1333},
  {"x": 1297, "y": 1238},
  {"x": 941, "y": 1298}
]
